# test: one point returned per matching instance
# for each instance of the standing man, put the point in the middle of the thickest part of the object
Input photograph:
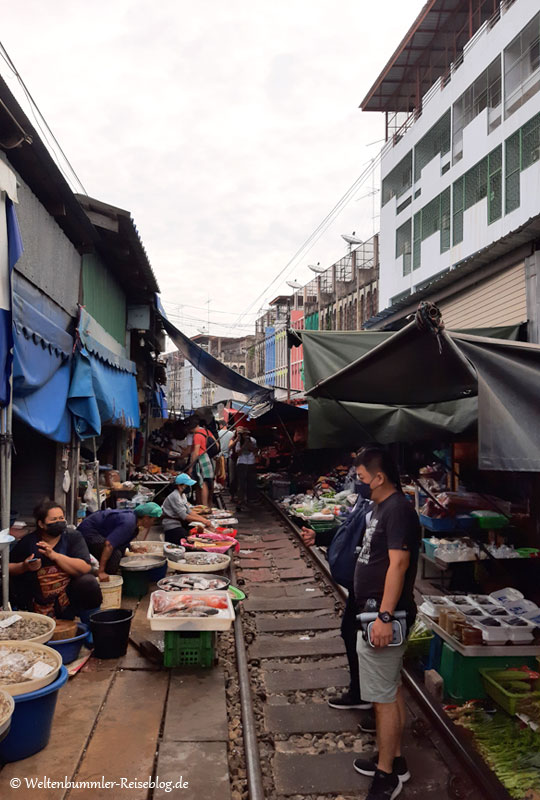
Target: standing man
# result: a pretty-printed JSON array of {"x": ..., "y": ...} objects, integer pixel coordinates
[
  {"x": 245, "y": 448},
  {"x": 226, "y": 435},
  {"x": 353, "y": 527},
  {"x": 385, "y": 572}
]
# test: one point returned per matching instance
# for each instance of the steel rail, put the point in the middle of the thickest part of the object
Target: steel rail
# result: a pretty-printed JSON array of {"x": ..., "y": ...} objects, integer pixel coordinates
[
  {"x": 483, "y": 777},
  {"x": 249, "y": 725}
]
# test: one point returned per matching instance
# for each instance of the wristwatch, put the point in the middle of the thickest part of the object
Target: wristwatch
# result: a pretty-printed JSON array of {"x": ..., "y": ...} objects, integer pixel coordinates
[{"x": 385, "y": 616}]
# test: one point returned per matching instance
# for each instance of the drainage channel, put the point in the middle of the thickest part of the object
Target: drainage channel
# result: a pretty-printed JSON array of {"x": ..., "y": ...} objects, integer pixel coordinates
[{"x": 290, "y": 658}]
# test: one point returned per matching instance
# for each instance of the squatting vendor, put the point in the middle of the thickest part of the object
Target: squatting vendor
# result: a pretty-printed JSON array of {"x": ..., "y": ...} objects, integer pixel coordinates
[{"x": 107, "y": 533}]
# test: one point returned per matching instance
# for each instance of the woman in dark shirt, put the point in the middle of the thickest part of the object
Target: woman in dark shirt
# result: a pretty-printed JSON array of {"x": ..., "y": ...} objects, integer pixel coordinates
[{"x": 50, "y": 568}]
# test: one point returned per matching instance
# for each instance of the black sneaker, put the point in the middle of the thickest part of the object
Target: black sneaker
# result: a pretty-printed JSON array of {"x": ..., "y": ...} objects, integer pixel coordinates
[
  {"x": 367, "y": 723},
  {"x": 384, "y": 786},
  {"x": 368, "y": 766},
  {"x": 348, "y": 700}
]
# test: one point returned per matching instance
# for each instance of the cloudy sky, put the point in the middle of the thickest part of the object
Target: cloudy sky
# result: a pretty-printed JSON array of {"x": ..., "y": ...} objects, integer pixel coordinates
[{"x": 228, "y": 129}]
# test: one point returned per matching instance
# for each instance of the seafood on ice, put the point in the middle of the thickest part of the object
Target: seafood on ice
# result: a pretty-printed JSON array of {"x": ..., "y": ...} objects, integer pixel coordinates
[
  {"x": 176, "y": 604},
  {"x": 17, "y": 666},
  {"x": 191, "y": 582}
]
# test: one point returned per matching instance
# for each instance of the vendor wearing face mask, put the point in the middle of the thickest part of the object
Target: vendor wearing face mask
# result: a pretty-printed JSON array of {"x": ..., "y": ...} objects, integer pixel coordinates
[{"x": 50, "y": 568}]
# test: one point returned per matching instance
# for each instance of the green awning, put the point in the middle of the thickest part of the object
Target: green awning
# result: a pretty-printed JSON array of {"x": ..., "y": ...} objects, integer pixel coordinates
[{"x": 417, "y": 373}]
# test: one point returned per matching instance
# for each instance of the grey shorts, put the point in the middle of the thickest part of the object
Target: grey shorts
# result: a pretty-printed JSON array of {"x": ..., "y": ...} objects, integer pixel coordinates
[{"x": 380, "y": 671}]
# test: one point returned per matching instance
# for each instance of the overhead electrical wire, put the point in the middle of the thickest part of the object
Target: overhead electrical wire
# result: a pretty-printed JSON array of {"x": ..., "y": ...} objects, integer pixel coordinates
[
  {"x": 200, "y": 308},
  {"x": 319, "y": 230},
  {"x": 36, "y": 111}
]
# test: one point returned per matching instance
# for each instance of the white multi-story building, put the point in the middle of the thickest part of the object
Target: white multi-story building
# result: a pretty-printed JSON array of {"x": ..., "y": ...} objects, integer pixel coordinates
[{"x": 460, "y": 170}]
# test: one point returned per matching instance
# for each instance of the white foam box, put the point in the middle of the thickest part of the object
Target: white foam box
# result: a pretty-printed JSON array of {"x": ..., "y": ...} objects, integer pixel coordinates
[{"x": 221, "y": 621}]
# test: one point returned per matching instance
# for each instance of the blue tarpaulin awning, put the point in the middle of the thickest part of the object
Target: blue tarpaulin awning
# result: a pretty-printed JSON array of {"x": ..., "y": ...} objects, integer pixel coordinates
[
  {"x": 41, "y": 364},
  {"x": 10, "y": 251},
  {"x": 211, "y": 367},
  {"x": 103, "y": 388}
]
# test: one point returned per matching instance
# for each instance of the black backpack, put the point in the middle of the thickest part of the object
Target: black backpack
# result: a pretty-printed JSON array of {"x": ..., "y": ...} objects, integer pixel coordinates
[
  {"x": 341, "y": 553},
  {"x": 212, "y": 445}
]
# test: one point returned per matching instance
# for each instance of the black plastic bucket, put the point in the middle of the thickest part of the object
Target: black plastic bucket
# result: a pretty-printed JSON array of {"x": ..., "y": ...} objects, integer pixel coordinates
[{"x": 110, "y": 631}]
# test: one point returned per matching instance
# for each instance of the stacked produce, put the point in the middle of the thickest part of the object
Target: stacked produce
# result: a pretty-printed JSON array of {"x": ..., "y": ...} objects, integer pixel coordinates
[{"x": 510, "y": 749}]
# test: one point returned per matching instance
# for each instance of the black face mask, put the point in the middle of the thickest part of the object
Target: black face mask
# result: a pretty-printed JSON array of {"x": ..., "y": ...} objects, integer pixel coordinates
[
  {"x": 57, "y": 528},
  {"x": 363, "y": 490}
]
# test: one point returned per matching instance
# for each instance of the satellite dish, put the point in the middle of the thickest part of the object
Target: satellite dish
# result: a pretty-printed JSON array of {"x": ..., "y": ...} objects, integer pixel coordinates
[
  {"x": 294, "y": 285},
  {"x": 352, "y": 239},
  {"x": 317, "y": 268}
]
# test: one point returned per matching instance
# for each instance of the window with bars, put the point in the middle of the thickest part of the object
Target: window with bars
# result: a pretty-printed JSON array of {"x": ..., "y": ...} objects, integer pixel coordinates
[
  {"x": 398, "y": 180},
  {"x": 484, "y": 92},
  {"x": 512, "y": 170},
  {"x": 403, "y": 245},
  {"x": 495, "y": 184},
  {"x": 475, "y": 184},
  {"x": 435, "y": 142},
  {"x": 433, "y": 217},
  {"x": 522, "y": 67},
  {"x": 458, "y": 211},
  {"x": 530, "y": 142},
  {"x": 417, "y": 239}
]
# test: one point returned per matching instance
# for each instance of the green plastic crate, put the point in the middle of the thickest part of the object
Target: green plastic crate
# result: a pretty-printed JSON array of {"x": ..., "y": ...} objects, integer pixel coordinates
[
  {"x": 188, "y": 649},
  {"x": 461, "y": 674},
  {"x": 505, "y": 699},
  {"x": 320, "y": 526}
]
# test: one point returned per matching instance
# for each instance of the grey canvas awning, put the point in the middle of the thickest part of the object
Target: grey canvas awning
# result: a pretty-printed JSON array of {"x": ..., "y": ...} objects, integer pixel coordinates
[{"x": 417, "y": 369}]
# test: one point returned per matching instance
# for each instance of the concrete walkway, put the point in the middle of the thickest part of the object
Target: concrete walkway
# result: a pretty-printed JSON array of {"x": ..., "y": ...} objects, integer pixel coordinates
[{"x": 127, "y": 719}]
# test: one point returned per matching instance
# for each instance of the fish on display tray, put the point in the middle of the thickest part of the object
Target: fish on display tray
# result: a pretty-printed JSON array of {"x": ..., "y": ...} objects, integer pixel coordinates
[
  {"x": 190, "y": 611},
  {"x": 192, "y": 581}
]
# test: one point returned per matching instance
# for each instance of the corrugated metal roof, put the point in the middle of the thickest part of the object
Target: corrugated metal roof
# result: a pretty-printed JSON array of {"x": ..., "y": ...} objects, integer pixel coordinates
[
  {"x": 118, "y": 231},
  {"x": 437, "y": 35},
  {"x": 528, "y": 232}
]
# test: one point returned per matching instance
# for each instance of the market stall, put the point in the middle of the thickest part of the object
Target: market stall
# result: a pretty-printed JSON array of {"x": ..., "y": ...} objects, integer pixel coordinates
[{"x": 479, "y": 591}]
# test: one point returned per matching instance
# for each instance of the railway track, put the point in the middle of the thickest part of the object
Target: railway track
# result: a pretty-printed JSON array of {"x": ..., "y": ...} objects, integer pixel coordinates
[{"x": 290, "y": 657}]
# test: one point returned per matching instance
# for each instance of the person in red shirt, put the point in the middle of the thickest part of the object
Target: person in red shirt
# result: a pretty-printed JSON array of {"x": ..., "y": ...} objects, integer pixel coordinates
[{"x": 201, "y": 466}]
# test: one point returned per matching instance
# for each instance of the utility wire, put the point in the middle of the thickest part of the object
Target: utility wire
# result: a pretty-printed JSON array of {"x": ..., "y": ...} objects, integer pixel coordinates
[
  {"x": 35, "y": 110},
  {"x": 321, "y": 228},
  {"x": 199, "y": 308}
]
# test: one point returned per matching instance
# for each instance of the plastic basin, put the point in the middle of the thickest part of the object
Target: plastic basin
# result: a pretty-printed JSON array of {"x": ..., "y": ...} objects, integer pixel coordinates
[
  {"x": 69, "y": 649},
  {"x": 237, "y": 595},
  {"x": 32, "y": 721},
  {"x": 110, "y": 631}
]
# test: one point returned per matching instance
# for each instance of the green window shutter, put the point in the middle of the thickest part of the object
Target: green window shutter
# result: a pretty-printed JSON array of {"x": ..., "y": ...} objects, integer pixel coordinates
[
  {"x": 458, "y": 210},
  {"x": 431, "y": 218},
  {"x": 417, "y": 241},
  {"x": 512, "y": 170},
  {"x": 495, "y": 185},
  {"x": 435, "y": 142},
  {"x": 403, "y": 245},
  {"x": 530, "y": 142},
  {"x": 445, "y": 220}
]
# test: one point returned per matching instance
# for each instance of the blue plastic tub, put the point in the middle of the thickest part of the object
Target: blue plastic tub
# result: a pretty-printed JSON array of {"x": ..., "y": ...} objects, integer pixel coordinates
[
  {"x": 69, "y": 649},
  {"x": 463, "y": 522},
  {"x": 31, "y": 722},
  {"x": 155, "y": 575}
]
